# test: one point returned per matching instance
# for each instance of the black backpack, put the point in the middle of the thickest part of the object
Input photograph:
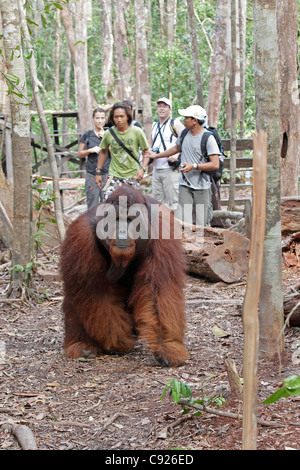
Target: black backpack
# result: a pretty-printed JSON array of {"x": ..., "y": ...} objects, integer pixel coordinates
[{"x": 216, "y": 175}]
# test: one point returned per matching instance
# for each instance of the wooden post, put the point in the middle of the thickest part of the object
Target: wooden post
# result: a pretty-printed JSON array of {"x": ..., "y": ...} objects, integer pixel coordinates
[{"x": 250, "y": 308}]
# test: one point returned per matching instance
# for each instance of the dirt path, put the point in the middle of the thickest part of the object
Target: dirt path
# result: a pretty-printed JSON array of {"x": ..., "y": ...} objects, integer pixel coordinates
[{"x": 113, "y": 402}]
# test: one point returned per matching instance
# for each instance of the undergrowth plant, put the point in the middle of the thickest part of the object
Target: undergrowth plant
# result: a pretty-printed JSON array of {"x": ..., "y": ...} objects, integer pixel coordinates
[
  {"x": 44, "y": 197},
  {"x": 178, "y": 390},
  {"x": 290, "y": 387}
]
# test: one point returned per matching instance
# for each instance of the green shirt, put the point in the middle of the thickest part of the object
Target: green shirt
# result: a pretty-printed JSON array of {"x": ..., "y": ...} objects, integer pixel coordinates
[{"x": 122, "y": 165}]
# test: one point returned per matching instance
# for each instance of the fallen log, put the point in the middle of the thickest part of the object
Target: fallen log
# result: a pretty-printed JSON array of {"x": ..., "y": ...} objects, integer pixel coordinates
[
  {"x": 228, "y": 214},
  {"x": 291, "y": 309},
  {"x": 291, "y": 250},
  {"x": 290, "y": 215},
  {"x": 215, "y": 253}
]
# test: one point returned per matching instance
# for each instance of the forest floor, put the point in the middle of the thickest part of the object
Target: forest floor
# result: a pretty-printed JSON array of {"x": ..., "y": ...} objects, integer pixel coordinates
[{"x": 114, "y": 402}]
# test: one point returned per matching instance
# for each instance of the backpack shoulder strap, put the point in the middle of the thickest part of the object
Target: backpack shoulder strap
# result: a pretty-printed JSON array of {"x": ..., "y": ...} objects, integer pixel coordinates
[
  {"x": 87, "y": 137},
  {"x": 122, "y": 145},
  {"x": 204, "y": 140},
  {"x": 182, "y": 135},
  {"x": 172, "y": 126}
]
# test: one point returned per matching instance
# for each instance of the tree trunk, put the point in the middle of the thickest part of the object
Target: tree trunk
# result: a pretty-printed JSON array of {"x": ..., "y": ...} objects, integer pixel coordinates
[
  {"x": 43, "y": 120},
  {"x": 4, "y": 99},
  {"x": 162, "y": 20},
  {"x": 288, "y": 95},
  {"x": 234, "y": 91},
  {"x": 171, "y": 12},
  {"x": 107, "y": 44},
  {"x": 143, "y": 71},
  {"x": 67, "y": 78},
  {"x": 77, "y": 40},
  {"x": 57, "y": 57},
  {"x": 22, "y": 242},
  {"x": 228, "y": 67},
  {"x": 242, "y": 61},
  {"x": 195, "y": 53},
  {"x": 124, "y": 72},
  {"x": 6, "y": 210},
  {"x": 218, "y": 66},
  {"x": 267, "y": 119}
]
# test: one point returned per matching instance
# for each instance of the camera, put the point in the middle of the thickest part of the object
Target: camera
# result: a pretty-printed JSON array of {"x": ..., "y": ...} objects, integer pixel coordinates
[{"x": 155, "y": 150}]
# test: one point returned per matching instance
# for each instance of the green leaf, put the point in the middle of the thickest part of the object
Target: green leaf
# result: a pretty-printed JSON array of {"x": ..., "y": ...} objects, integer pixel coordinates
[
  {"x": 18, "y": 267},
  {"x": 291, "y": 386},
  {"x": 12, "y": 78},
  {"x": 18, "y": 94},
  {"x": 78, "y": 42},
  {"x": 176, "y": 391},
  {"x": 29, "y": 55},
  {"x": 44, "y": 21},
  {"x": 30, "y": 21},
  {"x": 165, "y": 390},
  {"x": 281, "y": 393},
  {"x": 292, "y": 383}
]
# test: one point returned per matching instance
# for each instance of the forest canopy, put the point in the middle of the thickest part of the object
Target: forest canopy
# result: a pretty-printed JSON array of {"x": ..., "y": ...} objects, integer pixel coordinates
[{"x": 170, "y": 61}]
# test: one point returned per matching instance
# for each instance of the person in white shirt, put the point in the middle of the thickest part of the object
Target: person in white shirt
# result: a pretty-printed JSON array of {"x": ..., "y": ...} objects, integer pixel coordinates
[{"x": 165, "y": 177}]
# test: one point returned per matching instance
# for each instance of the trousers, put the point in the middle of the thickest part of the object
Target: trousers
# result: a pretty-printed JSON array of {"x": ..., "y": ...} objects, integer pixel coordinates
[
  {"x": 165, "y": 187},
  {"x": 194, "y": 206}
]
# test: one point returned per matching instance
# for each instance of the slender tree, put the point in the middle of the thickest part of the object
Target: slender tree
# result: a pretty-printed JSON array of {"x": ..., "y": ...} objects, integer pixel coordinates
[
  {"x": 171, "y": 14},
  {"x": 142, "y": 65},
  {"x": 218, "y": 66},
  {"x": 22, "y": 241},
  {"x": 77, "y": 41},
  {"x": 124, "y": 71},
  {"x": 107, "y": 48},
  {"x": 43, "y": 120},
  {"x": 267, "y": 119},
  {"x": 242, "y": 34},
  {"x": 57, "y": 57},
  {"x": 287, "y": 26},
  {"x": 234, "y": 92},
  {"x": 195, "y": 53},
  {"x": 162, "y": 17}
]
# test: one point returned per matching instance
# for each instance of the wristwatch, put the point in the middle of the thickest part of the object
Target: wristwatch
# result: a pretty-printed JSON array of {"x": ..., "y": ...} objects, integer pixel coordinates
[
  {"x": 99, "y": 171},
  {"x": 144, "y": 168},
  {"x": 195, "y": 166}
]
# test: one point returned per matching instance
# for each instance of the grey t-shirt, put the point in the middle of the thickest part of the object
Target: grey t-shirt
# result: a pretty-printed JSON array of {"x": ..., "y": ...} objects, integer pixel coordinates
[{"x": 191, "y": 153}]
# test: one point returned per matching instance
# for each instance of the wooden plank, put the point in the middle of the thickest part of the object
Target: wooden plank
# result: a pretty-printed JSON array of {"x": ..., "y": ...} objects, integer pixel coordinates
[
  {"x": 241, "y": 162},
  {"x": 237, "y": 202},
  {"x": 57, "y": 147},
  {"x": 241, "y": 144},
  {"x": 238, "y": 185},
  {"x": 57, "y": 113}
]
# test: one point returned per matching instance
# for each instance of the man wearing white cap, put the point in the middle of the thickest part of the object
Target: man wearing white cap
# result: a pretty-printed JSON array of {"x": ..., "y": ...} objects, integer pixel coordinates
[
  {"x": 164, "y": 134},
  {"x": 194, "y": 183}
]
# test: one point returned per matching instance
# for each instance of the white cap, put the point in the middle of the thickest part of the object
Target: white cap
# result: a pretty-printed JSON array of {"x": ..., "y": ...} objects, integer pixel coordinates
[
  {"x": 165, "y": 100},
  {"x": 194, "y": 111}
]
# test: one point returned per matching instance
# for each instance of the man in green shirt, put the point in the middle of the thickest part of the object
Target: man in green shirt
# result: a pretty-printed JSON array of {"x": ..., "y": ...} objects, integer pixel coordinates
[{"x": 123, "y": 167}]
